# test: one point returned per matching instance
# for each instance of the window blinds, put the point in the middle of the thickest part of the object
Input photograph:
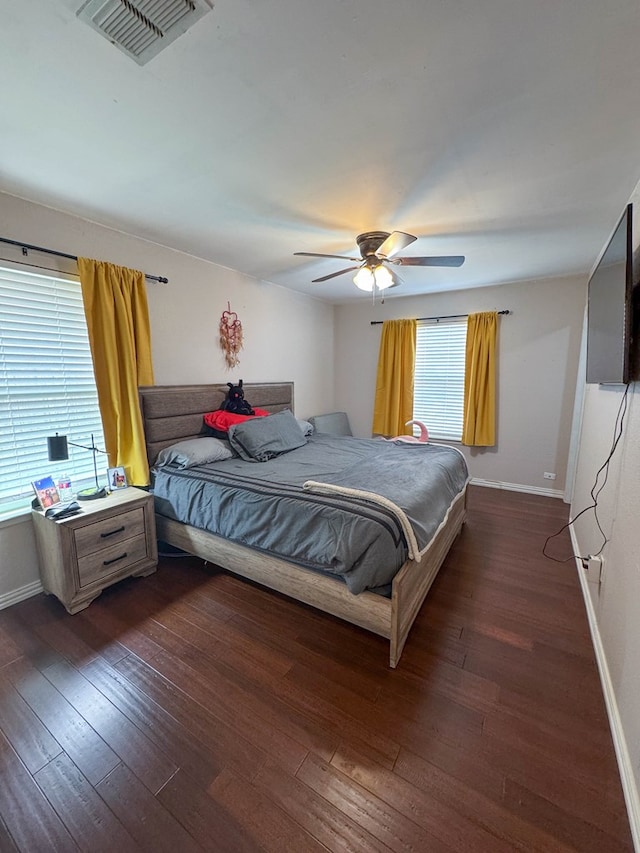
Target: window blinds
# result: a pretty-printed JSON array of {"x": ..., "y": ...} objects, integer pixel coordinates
[
  {"x": 46, "y": 382},
  {"x": 438, "y": 396}
]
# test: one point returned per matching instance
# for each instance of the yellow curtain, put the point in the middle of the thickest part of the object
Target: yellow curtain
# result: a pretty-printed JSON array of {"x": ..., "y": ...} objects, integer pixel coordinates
[
  {"x": 115, "y": 304},
  {"x": 479, "y": 427},
  {"x": 393, "y": 405}
]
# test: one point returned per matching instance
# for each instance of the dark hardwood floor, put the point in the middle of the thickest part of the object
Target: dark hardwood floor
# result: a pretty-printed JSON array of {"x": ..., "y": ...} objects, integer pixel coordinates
[{"x": 191, "y": 710}]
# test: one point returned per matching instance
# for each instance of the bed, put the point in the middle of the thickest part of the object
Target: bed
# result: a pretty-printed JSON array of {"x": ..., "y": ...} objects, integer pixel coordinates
[{"x": 175, "y": 414}]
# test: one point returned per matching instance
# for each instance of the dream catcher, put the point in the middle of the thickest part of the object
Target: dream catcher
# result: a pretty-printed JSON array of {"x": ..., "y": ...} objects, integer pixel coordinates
[{"x": 230, "y": 336}]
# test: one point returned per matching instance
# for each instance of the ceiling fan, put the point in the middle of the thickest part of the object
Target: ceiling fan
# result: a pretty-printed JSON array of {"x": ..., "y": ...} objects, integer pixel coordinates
[{"x": 378, "y": 249}]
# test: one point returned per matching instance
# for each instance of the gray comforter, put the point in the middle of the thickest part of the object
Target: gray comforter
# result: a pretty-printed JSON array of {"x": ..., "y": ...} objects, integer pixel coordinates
[{"x": 352, "y": 507}]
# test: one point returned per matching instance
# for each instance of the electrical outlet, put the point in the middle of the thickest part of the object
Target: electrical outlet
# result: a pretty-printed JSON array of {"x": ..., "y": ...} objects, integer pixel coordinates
[
  {"x": 595, "y": 567},
  {"x": 549, "y": 476}
]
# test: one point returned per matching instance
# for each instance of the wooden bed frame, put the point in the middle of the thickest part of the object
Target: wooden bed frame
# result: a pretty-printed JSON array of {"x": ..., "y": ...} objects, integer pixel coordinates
[{"x": 174, "y": 413}]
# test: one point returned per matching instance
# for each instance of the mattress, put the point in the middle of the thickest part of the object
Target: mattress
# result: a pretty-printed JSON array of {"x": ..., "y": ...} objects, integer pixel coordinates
[{"x": 353, "y": 508}]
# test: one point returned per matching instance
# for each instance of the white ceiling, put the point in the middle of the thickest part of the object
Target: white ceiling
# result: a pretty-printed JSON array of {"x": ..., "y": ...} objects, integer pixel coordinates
[{"x": 504, "y": 130}]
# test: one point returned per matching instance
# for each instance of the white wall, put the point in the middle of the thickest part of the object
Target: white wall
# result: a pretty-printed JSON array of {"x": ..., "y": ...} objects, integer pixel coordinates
[
  {"x": 539, "y": 345},
  {"x": 287, "y": 336},
  {"x": 615, "y": 603}
]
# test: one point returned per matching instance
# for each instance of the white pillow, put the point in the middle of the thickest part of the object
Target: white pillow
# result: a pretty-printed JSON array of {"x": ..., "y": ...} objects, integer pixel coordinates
[{"x": 194, "y": 451}]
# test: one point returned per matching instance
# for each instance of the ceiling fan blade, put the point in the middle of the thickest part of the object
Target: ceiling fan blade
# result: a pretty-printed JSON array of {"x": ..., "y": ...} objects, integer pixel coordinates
[
  {"x": 334, "y": 274},
  {"x": 318, "y": 255},
  {"x": 395, "y": 242},
  {"x": 434, "y": 261}
]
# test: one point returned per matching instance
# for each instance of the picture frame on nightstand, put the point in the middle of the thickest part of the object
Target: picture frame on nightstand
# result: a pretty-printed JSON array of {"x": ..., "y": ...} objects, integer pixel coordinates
[
  {"x": 46, "y": 492},
  {"x": 116, "y": 478}
]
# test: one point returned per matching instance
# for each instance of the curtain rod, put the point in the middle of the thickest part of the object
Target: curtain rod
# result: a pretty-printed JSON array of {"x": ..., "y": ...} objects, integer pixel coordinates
[
  {"x": 26, "y": 246},
  {"x": 437, "y": 319}
]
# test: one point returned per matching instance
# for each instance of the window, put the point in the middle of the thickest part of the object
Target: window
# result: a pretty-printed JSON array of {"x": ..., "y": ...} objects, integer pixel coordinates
[
  {"x": 439, "y": 377},
  {"x": 46, "y": 383}
]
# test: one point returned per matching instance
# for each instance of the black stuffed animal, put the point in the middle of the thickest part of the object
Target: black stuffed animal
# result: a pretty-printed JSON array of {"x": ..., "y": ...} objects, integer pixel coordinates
[{"x": 235, "y": 402}]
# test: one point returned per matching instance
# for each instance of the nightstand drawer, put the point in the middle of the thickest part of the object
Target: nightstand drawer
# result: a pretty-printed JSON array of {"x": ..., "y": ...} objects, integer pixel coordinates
[
  {"x": 117, "y": 557},
  {"x": 109, "y": 531}
]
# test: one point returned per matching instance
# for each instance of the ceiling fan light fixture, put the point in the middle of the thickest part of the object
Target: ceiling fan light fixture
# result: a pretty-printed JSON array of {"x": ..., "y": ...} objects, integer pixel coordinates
[
  {"x": 377, "y": 250},
  {"x": 364, "y": 279},
  {"x": 383, "y": 277}
]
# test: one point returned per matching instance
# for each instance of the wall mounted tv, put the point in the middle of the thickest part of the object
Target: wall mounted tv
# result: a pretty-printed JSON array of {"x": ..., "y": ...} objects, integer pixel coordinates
[{"x": 609, "y": 310}]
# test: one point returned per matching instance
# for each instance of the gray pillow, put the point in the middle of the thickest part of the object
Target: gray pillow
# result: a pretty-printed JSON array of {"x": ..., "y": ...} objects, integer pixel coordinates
[
  {"x": 259, "y": 439},
  {"x": 305, "y": 426},
  {"x": 335, "y": 423},
  {"x": 194, "y": 451}
]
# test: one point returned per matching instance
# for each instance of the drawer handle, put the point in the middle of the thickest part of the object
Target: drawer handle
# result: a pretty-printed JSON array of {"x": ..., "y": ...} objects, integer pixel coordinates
[
  {"x": 115, "y": 559},
  {"x": 112, "y": 532}
]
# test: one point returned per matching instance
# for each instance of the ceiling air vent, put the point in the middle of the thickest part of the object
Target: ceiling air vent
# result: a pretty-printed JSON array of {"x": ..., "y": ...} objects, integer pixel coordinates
[{"x": 142, "y": 28}]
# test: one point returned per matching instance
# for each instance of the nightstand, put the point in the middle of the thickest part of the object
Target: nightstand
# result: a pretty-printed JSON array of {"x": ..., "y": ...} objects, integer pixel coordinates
[{"x": 111, "y": 539}]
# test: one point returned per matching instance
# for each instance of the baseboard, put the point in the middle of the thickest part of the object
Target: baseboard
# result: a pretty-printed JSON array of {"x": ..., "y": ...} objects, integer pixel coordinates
[
  {"x": 20, "y": 594},
  {"x": 516, "y": 487},
  {"x": 625, "y": 767}
]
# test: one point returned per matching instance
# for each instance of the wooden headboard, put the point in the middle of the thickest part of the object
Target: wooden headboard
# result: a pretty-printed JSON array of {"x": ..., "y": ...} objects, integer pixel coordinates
[{"x": 173, "y": 413}]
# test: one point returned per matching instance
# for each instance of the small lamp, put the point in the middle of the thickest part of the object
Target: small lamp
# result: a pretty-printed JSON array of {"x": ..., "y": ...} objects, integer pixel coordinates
[{"x": 58, "y": 450}]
